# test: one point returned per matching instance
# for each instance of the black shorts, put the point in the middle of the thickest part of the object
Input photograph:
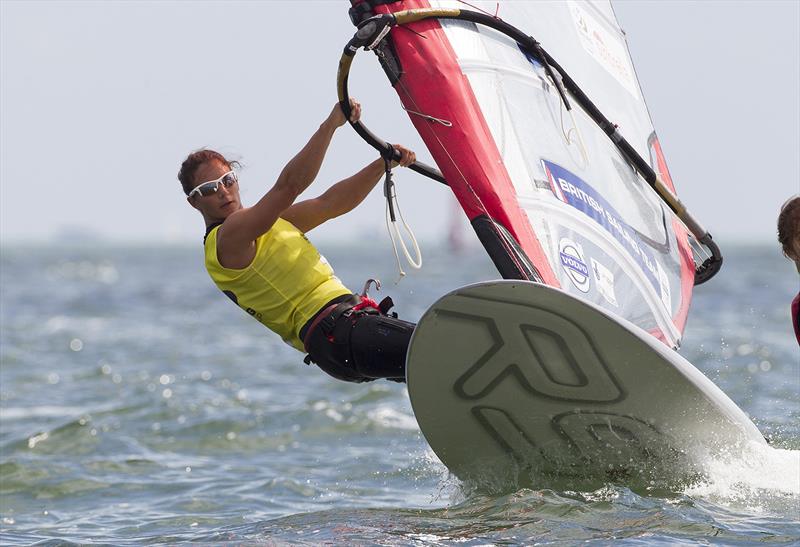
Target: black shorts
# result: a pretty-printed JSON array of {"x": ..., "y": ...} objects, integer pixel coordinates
[{"x": 360, "y": 346}]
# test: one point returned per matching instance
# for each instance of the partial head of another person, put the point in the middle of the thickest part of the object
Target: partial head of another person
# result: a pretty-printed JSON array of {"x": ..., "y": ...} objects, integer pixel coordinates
[{"x": 789, "y": 229}]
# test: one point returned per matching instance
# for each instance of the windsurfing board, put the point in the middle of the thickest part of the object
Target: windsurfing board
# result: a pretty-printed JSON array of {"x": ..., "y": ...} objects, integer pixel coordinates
[{"x": 515, "y": 380}]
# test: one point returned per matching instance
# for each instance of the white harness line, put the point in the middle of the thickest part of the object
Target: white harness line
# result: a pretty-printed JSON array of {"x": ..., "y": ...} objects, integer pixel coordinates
[{"x": 395, "y": 235}]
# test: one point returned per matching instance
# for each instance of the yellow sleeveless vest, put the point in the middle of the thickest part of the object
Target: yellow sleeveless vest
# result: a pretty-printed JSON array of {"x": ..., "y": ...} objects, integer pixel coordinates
[{"x": 284, "y": 286}]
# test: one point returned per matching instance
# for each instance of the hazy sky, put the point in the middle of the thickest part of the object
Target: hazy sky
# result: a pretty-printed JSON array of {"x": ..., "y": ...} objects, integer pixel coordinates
[{"x": 100, "y": 101}]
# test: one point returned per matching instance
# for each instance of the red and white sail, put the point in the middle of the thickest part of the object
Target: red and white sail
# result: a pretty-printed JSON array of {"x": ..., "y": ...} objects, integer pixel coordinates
[{"x": 548, "y": 193}]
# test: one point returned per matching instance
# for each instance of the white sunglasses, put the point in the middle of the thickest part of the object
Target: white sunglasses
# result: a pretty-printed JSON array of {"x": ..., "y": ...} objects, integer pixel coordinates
[{"x": 211, "y": 187}]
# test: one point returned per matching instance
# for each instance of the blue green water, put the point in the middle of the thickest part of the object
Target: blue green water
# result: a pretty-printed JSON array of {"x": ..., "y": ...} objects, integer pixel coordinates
[{"x": 139, "y": 406}]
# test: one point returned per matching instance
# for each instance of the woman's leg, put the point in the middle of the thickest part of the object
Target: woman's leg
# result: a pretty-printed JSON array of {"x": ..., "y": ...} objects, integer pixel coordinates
[{"x": 379, "y": 344}]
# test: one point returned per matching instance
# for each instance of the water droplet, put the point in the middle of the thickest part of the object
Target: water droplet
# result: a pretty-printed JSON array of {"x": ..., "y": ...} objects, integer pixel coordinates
[
  {"x": 167, "y": 393},
  {"x": 36, "y": 439},
  {"x": 105, "y": 369},
  {"x": 163, "y": 379},
  {"x": 116, "y": 378},
  {"x": 765, "y": 366},
  {"x": 745, "y": 349},
  {"x": 53, "y": 378},
  {"x": 205, "y": 376},
  {"x": 76, "y": 344},
  {"x": 188, "y": 469},
  {"x": 230, "y": 435}
]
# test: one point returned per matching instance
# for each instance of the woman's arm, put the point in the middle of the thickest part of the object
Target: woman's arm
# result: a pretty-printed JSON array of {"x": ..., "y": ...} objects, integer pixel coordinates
[
  {"x": 343, "y": 196},
  {"x": 237, "y": 235},
  {"x": 242, "y": 227}
]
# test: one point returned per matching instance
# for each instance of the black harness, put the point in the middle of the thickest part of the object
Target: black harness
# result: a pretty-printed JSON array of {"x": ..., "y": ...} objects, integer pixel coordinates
[{"x": 353, "y": 339}]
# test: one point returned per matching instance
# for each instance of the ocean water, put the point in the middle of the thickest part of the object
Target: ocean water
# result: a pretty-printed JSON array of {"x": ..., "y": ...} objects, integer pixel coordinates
[{"x": 139, "y": 406}]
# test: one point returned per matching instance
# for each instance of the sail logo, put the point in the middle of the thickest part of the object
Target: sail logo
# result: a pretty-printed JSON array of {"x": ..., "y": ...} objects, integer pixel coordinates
[
  {"x": 574, "y": 265},
  {"x": 573, "y": 191}
]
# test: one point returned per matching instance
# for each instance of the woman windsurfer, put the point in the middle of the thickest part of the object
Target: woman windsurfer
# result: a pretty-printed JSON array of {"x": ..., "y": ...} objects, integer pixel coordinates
[{"x": 261, "y": 259}]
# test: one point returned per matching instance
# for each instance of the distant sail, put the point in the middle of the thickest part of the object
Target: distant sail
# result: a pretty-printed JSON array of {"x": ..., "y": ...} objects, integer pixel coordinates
[{"x": 548, "y": 193}]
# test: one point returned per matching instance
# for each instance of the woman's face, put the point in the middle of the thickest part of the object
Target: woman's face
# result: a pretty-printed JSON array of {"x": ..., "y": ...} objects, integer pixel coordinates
[{"x": 218, "y": 205}]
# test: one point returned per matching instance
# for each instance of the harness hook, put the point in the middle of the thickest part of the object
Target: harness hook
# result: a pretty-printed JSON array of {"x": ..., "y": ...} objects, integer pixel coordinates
[{"x": 370, "y": 281}]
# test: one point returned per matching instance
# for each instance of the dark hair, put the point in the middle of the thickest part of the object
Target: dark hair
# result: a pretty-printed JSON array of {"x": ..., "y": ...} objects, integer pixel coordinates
[
  {"x": 193, "y": 162},
  {"x": 789, "y": 228}
]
